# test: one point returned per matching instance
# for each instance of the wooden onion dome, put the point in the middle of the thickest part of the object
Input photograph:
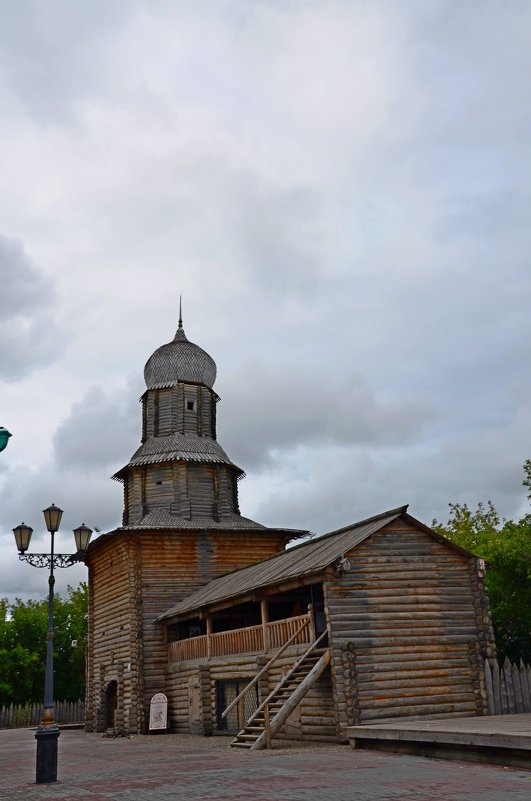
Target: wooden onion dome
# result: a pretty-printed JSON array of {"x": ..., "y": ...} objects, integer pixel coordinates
[{"x": 180, "y": 477}]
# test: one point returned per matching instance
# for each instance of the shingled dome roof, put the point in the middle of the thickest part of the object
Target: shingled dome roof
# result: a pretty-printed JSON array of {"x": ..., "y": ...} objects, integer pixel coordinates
[{"x": 179, "y": 360}]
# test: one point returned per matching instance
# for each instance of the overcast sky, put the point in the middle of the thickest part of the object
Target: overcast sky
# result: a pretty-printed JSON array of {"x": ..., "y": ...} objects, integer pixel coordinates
[{"x": 340, "y": 191}]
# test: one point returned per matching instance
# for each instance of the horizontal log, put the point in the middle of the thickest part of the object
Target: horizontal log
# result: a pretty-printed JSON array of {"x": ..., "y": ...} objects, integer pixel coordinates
[
  {"x": 408, "y": 555},
  {"x": 429, "y": 696},
  {"x": 315, "y": 730},
  {"x": 343, "y": 630},
  {"x": 370, "y": 676},
  {"x": 420, "y": 709},
  {"x": 371, "y": 689},
  {"x": 351, "y": 612},
  {"x": 318, "y": 720},
  {"x": 414, "y": 629},
  {"x": 403, "y": 651},
  {"x": 414, "y": 591}
]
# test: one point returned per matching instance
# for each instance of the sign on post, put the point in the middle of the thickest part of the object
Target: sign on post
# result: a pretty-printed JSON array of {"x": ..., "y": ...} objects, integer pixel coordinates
[{"x": 158, "y": 713}]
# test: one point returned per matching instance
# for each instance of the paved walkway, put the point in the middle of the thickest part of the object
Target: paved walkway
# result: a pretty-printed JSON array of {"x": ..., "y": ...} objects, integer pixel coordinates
[{"x": 164, "y": 768}]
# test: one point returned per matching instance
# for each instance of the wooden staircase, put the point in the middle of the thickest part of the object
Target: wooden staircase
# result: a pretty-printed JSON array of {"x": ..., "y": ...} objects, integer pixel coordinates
[{"x": 273, "y": 712}]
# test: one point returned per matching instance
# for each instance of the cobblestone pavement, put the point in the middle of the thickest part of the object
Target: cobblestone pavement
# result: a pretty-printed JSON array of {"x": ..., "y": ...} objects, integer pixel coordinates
[{"x": 185, "y": 768}]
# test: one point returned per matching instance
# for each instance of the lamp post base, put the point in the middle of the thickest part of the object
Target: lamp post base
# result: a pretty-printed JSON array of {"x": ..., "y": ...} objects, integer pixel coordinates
[{"x": 47, "y": 747}]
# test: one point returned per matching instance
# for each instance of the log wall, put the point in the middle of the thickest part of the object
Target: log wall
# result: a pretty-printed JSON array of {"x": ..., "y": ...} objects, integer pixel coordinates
[
  {"x": 409, "y": 629},
  {"x": 114, "y": 620},
  {"x": 187, "y": 489},
  {"x": 166, "y": 410},
  {"x": 134, "y": 576},
  {"x": 314, "y": 719}
]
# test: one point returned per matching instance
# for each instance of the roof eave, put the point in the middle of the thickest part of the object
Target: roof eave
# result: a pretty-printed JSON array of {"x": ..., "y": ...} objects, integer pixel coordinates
[{"x": 309, "y": 577}]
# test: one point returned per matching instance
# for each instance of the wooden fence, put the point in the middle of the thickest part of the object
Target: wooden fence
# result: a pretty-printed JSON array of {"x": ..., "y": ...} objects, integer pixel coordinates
[
  {"x": 508, "y": 688},
  {"x": 15, "y": 717}
]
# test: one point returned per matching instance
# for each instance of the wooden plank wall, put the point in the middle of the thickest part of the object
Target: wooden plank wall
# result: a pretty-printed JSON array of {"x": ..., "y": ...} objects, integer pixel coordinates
[
  {"x": 188, "y": 489},
  {"x": 164, "y": 411},
  {"x": 179, "y": 684},
  {"x": 407, "y": 630},
  {"x": 201, "y": 489},
  {"x": 314, "y": 719},
  {"x": 113, "y": 623},
  {"x": 164, "y": 420},
  {"x": 172, "y": 565},
  {"x": 158, "y": 487}
]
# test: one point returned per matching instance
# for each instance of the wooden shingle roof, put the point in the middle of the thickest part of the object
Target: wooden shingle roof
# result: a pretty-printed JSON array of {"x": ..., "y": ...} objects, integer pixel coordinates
[
  {"x": 179, "y": 360},
  {"x": 178, "y": 447},
  {"x": 305, "y": 559}
]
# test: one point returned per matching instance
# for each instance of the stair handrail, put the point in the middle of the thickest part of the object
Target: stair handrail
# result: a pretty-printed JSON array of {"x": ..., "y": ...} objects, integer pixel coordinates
[
  {"x": 280, "y": 717},
  {"x": 265, "y": 668},
  {"x": 285, "y": 678}
]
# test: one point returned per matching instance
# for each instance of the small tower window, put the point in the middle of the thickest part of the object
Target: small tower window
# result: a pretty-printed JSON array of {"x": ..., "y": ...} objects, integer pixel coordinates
[{"x": 190, "y": 406}]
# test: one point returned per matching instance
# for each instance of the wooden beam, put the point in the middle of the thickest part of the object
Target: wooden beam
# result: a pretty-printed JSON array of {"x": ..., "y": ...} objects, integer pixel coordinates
[{"x": 265, "y": 620}]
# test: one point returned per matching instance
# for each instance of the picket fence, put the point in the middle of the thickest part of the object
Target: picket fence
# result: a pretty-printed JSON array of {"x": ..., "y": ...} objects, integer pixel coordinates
[
  {"x": 508, "y": 688},
  {"x": 15, "y": 717}
]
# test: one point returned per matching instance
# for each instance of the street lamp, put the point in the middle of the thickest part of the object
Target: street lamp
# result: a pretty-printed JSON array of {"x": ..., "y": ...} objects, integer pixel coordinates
[
  {"x": 4, "y": 437},
  {"x": 48, "y": 732}
]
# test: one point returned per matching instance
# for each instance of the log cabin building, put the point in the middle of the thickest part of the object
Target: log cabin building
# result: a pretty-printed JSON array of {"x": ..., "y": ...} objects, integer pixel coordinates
[{"x": 381, "y": 619}]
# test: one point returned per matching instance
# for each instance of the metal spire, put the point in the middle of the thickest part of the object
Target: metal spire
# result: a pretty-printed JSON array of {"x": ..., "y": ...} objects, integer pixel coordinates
[{"x": 179, "y": 334}]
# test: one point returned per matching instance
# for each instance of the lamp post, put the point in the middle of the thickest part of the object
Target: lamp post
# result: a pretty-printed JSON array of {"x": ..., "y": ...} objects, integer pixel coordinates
[
  {"x": 4, "y": 437},
  {"x": 48, "y": 732}
]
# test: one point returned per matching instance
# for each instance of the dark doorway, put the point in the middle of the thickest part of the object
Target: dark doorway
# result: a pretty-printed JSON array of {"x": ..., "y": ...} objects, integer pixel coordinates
[
  {"x": 226, "y": 691},
  {"x": 111, "y": 702}
]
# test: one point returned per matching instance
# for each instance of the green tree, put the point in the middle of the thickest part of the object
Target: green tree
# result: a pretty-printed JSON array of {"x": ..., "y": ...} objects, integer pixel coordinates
[
  {"x": 506, "y": 547},
  {"x": 23, "y": 627}
]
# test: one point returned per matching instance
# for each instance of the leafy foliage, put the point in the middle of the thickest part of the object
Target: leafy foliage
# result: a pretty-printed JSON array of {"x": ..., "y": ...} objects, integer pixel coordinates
[
  {"x": 506, "y": 546},
  {"x": 23, "y": 627}
]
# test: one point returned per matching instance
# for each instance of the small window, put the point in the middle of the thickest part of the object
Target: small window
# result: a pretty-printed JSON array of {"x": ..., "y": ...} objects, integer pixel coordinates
[
  {"x": 158, "y": 482},
  {"x": 190, "y": 406}
]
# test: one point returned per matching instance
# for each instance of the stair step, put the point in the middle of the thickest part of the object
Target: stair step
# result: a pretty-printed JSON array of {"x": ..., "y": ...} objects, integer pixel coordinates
[{"x": 254, "y": 729}]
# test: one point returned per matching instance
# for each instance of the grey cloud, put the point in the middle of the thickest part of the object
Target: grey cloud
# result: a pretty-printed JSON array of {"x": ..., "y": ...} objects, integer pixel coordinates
[
  {"x": 84, "y": 497},
  {"x": 280, "y": 236},
  {"x": 495, "y": 214},
  {"x": 101, "y": 431},
  {"x": 52, "y": 50},
  {"x": 276, "y": 408},
  {"x": 331, "y": 487},
  {"x": 30, "y": 338}
]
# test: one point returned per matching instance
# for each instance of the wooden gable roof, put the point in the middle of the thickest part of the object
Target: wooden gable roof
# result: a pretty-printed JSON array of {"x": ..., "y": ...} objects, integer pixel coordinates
[{"x": 306, "y": 559}]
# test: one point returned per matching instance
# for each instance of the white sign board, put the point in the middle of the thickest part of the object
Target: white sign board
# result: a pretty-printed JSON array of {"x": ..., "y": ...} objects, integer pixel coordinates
[{"x": 158, "y": 712}]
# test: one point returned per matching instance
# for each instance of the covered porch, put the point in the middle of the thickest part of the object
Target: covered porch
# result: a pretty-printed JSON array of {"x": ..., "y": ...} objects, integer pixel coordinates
[{"x": 294, "y": 616}]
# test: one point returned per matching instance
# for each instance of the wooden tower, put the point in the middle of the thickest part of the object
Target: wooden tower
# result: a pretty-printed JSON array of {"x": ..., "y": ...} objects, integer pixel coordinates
[{"x": 181, "y": 528}]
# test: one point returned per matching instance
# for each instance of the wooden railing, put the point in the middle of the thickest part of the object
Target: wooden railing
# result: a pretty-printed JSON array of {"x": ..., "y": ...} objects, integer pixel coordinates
[
  {"x": 184, "y": 650},
  {"x": 298, "y": 630},
  {"x": 265, "y": 668},
  {"x": 286, "y": 678},
  {"x": 279, "y": 632},
  {"x": 238, "y": 641}
]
